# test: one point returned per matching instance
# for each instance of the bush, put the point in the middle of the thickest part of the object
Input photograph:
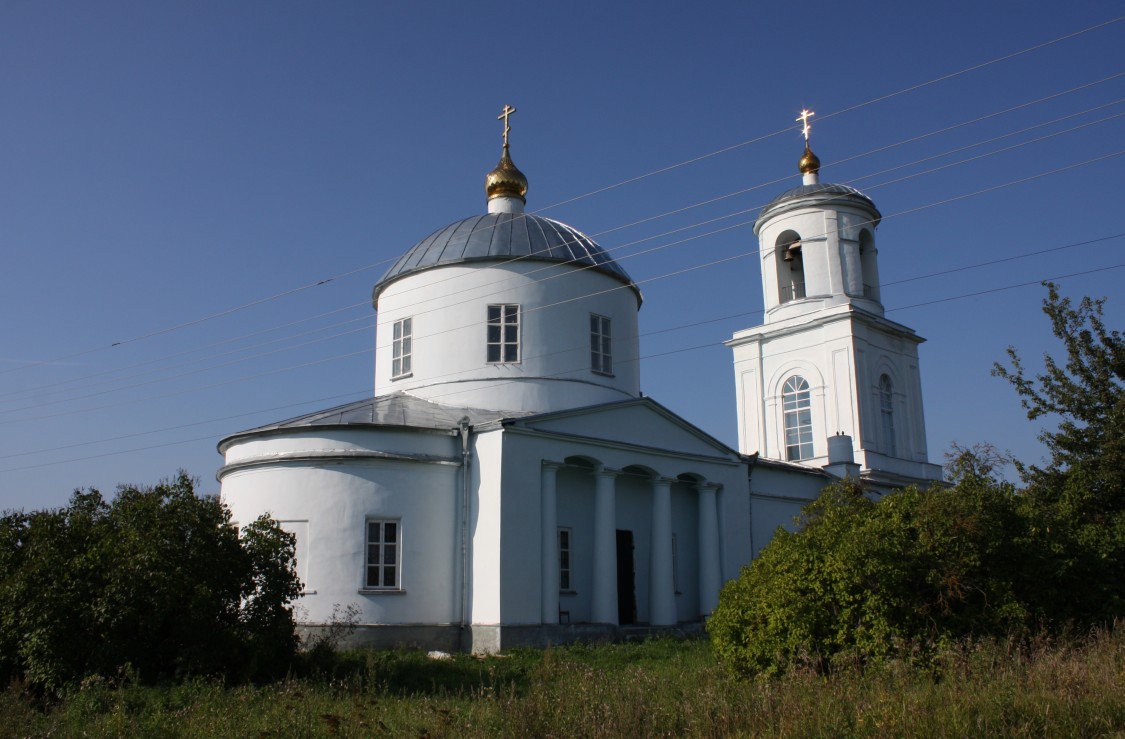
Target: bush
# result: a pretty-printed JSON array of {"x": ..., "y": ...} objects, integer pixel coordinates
[
  {"x": 863, "y": 580},
  {"x": 156, "y": 584}
]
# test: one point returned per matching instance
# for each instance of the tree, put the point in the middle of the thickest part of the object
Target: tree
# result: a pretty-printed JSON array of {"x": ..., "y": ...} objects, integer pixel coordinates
[
  {"x": 1080, "y": 492},
  {"x": 1086, "y": 392},
  {"x": 158, "y": 582}
]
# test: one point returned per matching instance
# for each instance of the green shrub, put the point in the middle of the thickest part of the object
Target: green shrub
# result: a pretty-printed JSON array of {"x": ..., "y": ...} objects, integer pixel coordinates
[
  {"x": 156, "y": 584},
  {"x": 863, "y": 580}
]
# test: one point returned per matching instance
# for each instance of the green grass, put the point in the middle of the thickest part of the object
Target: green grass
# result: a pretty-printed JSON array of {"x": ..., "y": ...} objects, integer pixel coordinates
[{"x": 658, "y": 688}]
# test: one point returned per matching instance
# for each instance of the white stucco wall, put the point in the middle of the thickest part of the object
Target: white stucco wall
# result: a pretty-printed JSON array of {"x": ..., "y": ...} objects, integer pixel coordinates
[
  {"x": 841, "y": 353},
  {"x": 829, "y": 229},
  {"x": 777, "y": 495},
  {"x": 330, "y": 502},
  {"x": 448, "y": 306}
]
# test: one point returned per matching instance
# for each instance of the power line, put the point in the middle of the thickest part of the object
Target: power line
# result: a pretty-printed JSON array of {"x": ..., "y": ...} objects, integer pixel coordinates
[
  {"x": 1007, "y": 287},
  {"x": 660, "y": 277},
  {"x": 591, "y": 193},
  {"x": 681, "y": 229}
]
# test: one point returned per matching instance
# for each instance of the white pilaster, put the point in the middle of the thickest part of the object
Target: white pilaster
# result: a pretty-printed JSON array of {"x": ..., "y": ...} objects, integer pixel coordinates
[
  {"x": 710, "y": 578},
  {"x": 661, "y": 588},
  {"x": 604, "y": 606},
  {"x": 550, "y": 536}
]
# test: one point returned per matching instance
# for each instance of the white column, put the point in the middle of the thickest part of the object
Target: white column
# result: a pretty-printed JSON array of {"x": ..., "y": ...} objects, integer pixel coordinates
[
  {"x": 661, "y": 586},
  {"x": 550, "y": 535},
  {"x": 604, "y": 609},
  {"x": 710, "y": 578}
]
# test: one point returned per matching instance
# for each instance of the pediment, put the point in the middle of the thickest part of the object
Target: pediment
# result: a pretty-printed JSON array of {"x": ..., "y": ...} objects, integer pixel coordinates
[{"x": 641, "y": 422}]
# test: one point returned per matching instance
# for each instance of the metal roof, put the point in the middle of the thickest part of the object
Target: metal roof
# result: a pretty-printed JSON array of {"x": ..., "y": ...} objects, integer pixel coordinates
[
  {"x": 397, "y": 409},
  {"x": 842, "y": 192},
  {"x": 501, "y": 237}
]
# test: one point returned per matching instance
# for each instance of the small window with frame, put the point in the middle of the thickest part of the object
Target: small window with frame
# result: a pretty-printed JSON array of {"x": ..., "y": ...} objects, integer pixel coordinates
[
  {"x": 565, "y": 552},
  {"x": 384, "y": 563},
  {"x": 504, "y": 333},
  {"x": 402, "y": 348},
  {"x": 601, "y": 345}
]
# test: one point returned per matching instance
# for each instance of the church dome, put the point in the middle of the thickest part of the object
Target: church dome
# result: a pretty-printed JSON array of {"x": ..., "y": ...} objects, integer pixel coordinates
[
  {"x": 505, "y": 237},
  {"x": 821, "y": 194}
]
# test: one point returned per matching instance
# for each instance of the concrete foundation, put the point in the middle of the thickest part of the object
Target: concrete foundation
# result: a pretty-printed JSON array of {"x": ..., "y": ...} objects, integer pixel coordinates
[{"x": 481, "y": 639}]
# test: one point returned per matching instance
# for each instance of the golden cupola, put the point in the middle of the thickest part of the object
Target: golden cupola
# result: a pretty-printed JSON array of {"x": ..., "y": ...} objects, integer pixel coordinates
[
  {"x": 809, "y": 162},
  {"x": 506, "y": 181},
  {"x": 506, "y": 185}
]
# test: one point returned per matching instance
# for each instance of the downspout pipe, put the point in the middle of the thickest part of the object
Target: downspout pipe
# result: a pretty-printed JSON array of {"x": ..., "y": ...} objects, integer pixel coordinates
[{"x": 464, "y": 431}]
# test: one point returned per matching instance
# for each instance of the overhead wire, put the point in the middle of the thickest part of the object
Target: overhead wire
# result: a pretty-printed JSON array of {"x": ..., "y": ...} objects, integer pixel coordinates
[
  {"x": 654, "y": 355},
  {"x": 691, "y": 226},
  {"x": 591, "y": 193},
  {"x": 822, "y": 118},
  {"x": 676, "y": 273},
  {"x": 581, "y": 267},
  {"x": 660, "y": 277}
]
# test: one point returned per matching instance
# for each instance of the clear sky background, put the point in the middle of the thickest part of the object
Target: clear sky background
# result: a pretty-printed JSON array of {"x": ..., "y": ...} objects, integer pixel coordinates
[{"x": 165, "y": 163}]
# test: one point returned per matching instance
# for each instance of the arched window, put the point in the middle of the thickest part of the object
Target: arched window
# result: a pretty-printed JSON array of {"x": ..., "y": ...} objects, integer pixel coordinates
[
  {"x": 797, "y": 406},
  {"x": 867, "y": 266},
  {"x": 887, "y": 412},
  {"x": 790, "y": 267}
]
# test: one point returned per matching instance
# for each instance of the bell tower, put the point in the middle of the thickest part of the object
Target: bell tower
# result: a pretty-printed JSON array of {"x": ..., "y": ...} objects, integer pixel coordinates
[{"x": 826, "y": 362}]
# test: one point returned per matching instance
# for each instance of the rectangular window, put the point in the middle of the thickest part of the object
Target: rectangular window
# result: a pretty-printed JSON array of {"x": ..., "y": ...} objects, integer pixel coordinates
[
  {"x": 564, "y": 559},
  {"x": 601, "y": 354},
  {"x": 401, "y": 350},
  {"x": 383, "y": 546},
  {"x": 504, "y": 333}
]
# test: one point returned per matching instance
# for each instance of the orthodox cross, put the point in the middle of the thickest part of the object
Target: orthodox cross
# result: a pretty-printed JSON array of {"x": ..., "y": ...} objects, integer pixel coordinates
[
  {"x": 803, "y": 119},
  {"x": 508, "y": 110}
]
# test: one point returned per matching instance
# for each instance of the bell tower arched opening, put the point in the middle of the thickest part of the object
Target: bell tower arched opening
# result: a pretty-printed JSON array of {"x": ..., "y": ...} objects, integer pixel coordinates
[
  {"x": 869, "y": 269},
  {"x": 790, "y": 267}
]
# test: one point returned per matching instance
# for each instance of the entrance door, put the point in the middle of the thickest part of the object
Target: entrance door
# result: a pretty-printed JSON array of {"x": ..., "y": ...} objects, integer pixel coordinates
[{"x": 626, "y": 579}]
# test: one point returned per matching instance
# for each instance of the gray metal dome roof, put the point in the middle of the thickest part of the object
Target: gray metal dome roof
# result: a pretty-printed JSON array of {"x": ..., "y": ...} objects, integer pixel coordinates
[
  {"x": 503, "y": 237},
  {"x": 834, "y": 192}
]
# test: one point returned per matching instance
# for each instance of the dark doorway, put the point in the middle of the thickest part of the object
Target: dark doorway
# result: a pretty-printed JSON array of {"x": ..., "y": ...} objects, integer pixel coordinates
[{"x": 626, "y": 579}]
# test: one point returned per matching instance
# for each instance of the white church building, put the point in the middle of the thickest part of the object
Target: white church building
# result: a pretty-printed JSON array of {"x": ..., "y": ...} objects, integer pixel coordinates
[{"x": 508, "y": 484}]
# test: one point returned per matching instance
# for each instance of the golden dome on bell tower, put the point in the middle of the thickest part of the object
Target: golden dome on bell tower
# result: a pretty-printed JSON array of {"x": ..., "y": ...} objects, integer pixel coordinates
[{"x": 809, "y": 162}]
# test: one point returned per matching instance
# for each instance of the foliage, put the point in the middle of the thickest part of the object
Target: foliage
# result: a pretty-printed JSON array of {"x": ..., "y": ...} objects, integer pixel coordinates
[
  {"x": 865, "y": 580},
  {"x": 664, "y": 688},
  {"x": 156, "y": 584},
  {"x": 1080, "y": 492}
]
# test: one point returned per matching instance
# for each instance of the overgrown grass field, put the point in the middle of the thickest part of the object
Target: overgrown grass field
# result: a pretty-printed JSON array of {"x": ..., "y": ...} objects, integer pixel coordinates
[{"x": 657, "y": 688}]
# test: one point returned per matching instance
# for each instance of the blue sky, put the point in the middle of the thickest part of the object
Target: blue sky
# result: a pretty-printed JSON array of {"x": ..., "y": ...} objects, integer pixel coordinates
[{"x": 163, "y": 163}]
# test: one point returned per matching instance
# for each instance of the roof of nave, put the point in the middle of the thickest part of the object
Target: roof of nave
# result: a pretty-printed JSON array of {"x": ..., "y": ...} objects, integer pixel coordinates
[{"x": 397, "y": 410}]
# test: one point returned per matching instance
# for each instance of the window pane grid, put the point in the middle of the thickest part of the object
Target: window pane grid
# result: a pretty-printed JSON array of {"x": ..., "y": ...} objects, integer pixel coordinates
[
  {"x": 503, "y": 333},
  {"x": 382, "y": 555},
  {"x": 797, "y": 407},
  {"x": 401, "y": 348},
  {"x": 601, "y": 358},
  {"x": 564, "y": 559}
]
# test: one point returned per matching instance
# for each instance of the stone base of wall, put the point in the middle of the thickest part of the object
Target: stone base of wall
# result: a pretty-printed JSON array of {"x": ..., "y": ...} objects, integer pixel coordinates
[{"x": 481, "y": 639}]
